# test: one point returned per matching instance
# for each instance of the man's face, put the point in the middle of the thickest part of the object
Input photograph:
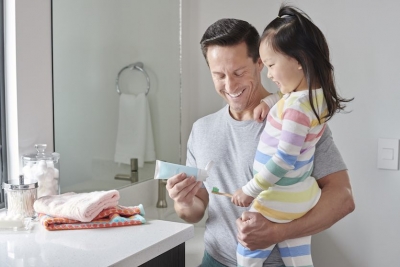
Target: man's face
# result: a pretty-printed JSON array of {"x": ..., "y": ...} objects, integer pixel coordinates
[
  {"x": 236, "y": 78},
  {"x": 285, "y": 71}
]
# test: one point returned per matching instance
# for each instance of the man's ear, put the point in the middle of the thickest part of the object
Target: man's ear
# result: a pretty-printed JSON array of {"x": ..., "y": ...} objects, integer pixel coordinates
[{"x": 260, "y": 64}]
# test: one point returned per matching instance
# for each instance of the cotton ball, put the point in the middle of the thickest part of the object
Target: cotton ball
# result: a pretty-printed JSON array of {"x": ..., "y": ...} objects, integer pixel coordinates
[
  {"x": 42, "y": 164},
  {"x": 56, "y": 173},
  {"x": 51, "y": 184},
  {"x": 41, "y": 167},
  {"x": 33, "y": 170},
  {"x": 39, "y": 171},
  {"x": 50, "y": 171},
  {"x": 40, "y": 177},
  {"x": 40, "y": 192},
  {"x": 30, "y": 164},
  {"x": 54, "y": 184},
  {"x": 46, "y": 191},
  {"x": 48, "y": 177},
  {"x": 45, "y": 184},
  {"x": 50, "y": 164},
  {"x": 40, "y": 184},
  {"x": 27, "y": 171},
  {"x": 54, "y": 191}
]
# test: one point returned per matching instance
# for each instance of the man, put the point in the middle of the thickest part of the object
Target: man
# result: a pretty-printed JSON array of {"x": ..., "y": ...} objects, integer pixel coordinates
[{"x": 229, "y": 137}]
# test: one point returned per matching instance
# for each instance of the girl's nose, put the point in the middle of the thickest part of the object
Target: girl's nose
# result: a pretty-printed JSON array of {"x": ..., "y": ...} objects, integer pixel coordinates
[{"x": 269, "y": 75}]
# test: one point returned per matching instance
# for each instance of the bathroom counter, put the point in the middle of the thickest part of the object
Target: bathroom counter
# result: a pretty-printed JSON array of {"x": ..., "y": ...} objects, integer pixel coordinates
[{"x": 118, "y": 246}]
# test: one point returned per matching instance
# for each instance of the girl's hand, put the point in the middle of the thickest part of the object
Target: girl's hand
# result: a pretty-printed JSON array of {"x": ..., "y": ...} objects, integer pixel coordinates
[
  {"x": 261, "y": 112},
  {"x": 241, "y": 199}
]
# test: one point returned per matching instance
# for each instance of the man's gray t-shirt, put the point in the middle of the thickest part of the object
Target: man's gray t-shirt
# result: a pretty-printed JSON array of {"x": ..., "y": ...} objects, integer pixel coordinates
[{"x": 232, "y": 145}]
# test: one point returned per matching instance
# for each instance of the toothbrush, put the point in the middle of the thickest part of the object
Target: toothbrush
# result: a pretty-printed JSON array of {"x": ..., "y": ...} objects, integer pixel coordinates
[{"x": 215, "y": 190}]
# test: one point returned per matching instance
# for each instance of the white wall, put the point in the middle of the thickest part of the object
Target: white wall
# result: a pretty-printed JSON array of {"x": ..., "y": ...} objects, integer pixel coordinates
[{"x": 363, "y": 40}]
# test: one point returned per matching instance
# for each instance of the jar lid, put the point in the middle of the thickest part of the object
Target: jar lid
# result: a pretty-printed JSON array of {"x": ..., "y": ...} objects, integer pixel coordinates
[
  {"x": 41, "y": 155},
  {"x": 20, "y": 184}
]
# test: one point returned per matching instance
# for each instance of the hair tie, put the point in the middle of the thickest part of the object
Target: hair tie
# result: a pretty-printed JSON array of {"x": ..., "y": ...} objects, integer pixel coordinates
[{"x": 283, "y": 16}]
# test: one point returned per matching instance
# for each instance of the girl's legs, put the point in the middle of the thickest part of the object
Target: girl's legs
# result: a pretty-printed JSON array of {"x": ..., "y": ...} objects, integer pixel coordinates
[
  {"x": 252, "y": 258},
  {"x": 296, "y": 252}
]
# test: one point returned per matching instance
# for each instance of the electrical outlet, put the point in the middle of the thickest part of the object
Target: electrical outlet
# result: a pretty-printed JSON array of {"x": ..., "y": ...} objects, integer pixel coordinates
[{"x": 388, "y": 154}]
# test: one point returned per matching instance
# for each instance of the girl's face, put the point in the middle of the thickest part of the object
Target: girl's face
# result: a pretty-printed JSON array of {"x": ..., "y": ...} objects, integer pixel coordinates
[{"x": 285, "y": 71}]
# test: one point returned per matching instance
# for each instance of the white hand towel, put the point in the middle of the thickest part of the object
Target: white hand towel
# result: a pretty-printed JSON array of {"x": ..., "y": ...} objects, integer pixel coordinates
[
  {"x": 135, "y": 134},
  {"x": 83, "y": 207}
]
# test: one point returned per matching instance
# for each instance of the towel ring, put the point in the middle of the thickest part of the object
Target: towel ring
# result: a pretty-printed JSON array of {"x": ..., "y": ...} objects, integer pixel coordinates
[{"x": 138, "y": 66}]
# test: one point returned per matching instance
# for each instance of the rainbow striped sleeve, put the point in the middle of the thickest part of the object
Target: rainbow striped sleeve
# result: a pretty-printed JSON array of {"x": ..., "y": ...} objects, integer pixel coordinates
[{"x": 288, "y": 140}]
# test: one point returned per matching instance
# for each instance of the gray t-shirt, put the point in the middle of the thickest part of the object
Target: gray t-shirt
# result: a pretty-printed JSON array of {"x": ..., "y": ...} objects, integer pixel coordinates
[{"x": 232, "y": 145}]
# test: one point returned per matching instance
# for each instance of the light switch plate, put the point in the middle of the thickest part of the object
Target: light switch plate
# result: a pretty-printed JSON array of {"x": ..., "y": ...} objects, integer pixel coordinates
[{"x": 388, "y": 154}]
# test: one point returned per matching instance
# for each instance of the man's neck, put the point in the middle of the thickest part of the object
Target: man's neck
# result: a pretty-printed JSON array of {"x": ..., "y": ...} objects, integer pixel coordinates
[
  {"x": 242, "y": 116},
  {"x": 247, "y": 114}
]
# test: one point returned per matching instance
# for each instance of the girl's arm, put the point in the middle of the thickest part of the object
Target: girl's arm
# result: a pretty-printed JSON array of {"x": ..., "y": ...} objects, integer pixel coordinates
[
  {"x": 294, "y": 124},
  {"x": 261, "y": 111}
]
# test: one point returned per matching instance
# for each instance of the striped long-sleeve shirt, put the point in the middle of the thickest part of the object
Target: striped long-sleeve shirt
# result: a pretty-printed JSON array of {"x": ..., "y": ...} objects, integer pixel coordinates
[{"x": 284, "y": 159}]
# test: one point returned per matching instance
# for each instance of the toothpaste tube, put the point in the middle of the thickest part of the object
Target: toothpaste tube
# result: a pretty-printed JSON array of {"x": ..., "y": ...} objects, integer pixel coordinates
[{"x": 165, "y": 170}]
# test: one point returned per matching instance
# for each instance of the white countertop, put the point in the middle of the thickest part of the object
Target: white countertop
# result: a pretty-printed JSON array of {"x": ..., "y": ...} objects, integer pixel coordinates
[{"x": 118, "y": 246}]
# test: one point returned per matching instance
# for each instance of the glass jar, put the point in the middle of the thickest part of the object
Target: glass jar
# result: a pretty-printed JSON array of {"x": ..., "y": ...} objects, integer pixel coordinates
[
  {"x": 43, "y": 168},
  {"x": 20, "y": 196}
]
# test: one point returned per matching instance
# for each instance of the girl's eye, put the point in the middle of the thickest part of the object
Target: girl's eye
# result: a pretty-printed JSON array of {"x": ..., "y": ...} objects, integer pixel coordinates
[{"x": 270, "y": 65}]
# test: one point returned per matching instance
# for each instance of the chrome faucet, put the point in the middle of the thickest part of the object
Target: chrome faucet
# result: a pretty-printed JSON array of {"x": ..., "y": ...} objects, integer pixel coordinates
[
  {"x": 162, "y": 201},
  {"x": 133, "y": 176}
]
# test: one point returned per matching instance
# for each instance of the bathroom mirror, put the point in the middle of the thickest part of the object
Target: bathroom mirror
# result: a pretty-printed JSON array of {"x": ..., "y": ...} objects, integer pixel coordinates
[{"x": 93, "y": 40}]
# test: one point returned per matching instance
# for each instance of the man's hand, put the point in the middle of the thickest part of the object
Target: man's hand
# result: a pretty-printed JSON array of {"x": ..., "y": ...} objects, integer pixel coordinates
[
  {"x": 190, "y": 200},
  {"x": 255, "y": 231},
  {"x": 182, "y": 189},
  {"x": 241, "y": 199}
]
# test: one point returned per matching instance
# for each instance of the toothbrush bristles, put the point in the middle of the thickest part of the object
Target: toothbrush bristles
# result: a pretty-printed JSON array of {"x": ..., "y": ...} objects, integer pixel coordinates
[{"x": 215, "y": 190}]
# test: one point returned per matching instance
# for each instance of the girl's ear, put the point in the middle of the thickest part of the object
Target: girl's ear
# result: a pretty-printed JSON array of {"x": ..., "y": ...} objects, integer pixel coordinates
[{"x": 299, "y": 67}]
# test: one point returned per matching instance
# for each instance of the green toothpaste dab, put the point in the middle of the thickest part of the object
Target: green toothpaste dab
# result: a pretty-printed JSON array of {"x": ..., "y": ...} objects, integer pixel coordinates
[{"x": 215, "y": 189}]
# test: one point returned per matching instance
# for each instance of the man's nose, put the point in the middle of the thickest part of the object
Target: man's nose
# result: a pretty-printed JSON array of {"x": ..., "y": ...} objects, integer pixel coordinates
[{"x": 230, "y": 84}]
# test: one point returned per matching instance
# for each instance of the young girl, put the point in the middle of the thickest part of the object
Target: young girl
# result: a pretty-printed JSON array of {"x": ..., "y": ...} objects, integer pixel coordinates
[{"x": 297, "y": 57}]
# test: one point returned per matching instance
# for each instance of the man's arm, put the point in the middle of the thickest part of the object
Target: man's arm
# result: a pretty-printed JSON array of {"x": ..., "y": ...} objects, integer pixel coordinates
[
  {"x": 190, "y": 200},
  {"x": 335, "y": 203}
]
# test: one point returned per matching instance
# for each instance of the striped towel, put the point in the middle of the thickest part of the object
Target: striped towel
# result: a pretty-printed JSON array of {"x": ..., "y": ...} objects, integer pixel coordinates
[{"x": 111, "y": 217}]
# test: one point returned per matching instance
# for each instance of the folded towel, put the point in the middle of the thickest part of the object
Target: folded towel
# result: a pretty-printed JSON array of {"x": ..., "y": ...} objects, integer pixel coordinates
[
  {"x": 135, "y": 134},
  {"x": 83, "y": 207},
  {"x": 111, "y": 217}
]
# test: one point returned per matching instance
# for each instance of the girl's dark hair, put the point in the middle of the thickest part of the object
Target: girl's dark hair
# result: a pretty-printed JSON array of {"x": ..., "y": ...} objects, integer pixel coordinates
[
  {"x": 294, "y": 34},
  {"x": 230, "y": 32}
]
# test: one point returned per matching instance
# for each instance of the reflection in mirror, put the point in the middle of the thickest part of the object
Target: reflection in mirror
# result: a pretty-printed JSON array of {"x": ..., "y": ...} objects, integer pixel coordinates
[{"x": 92, "y": 41}]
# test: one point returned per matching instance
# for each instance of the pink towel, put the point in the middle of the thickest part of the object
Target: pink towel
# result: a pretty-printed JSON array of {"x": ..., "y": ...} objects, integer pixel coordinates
[
  {"x": 82, "y": 207},
  {"x": 112, "y": 217}
]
